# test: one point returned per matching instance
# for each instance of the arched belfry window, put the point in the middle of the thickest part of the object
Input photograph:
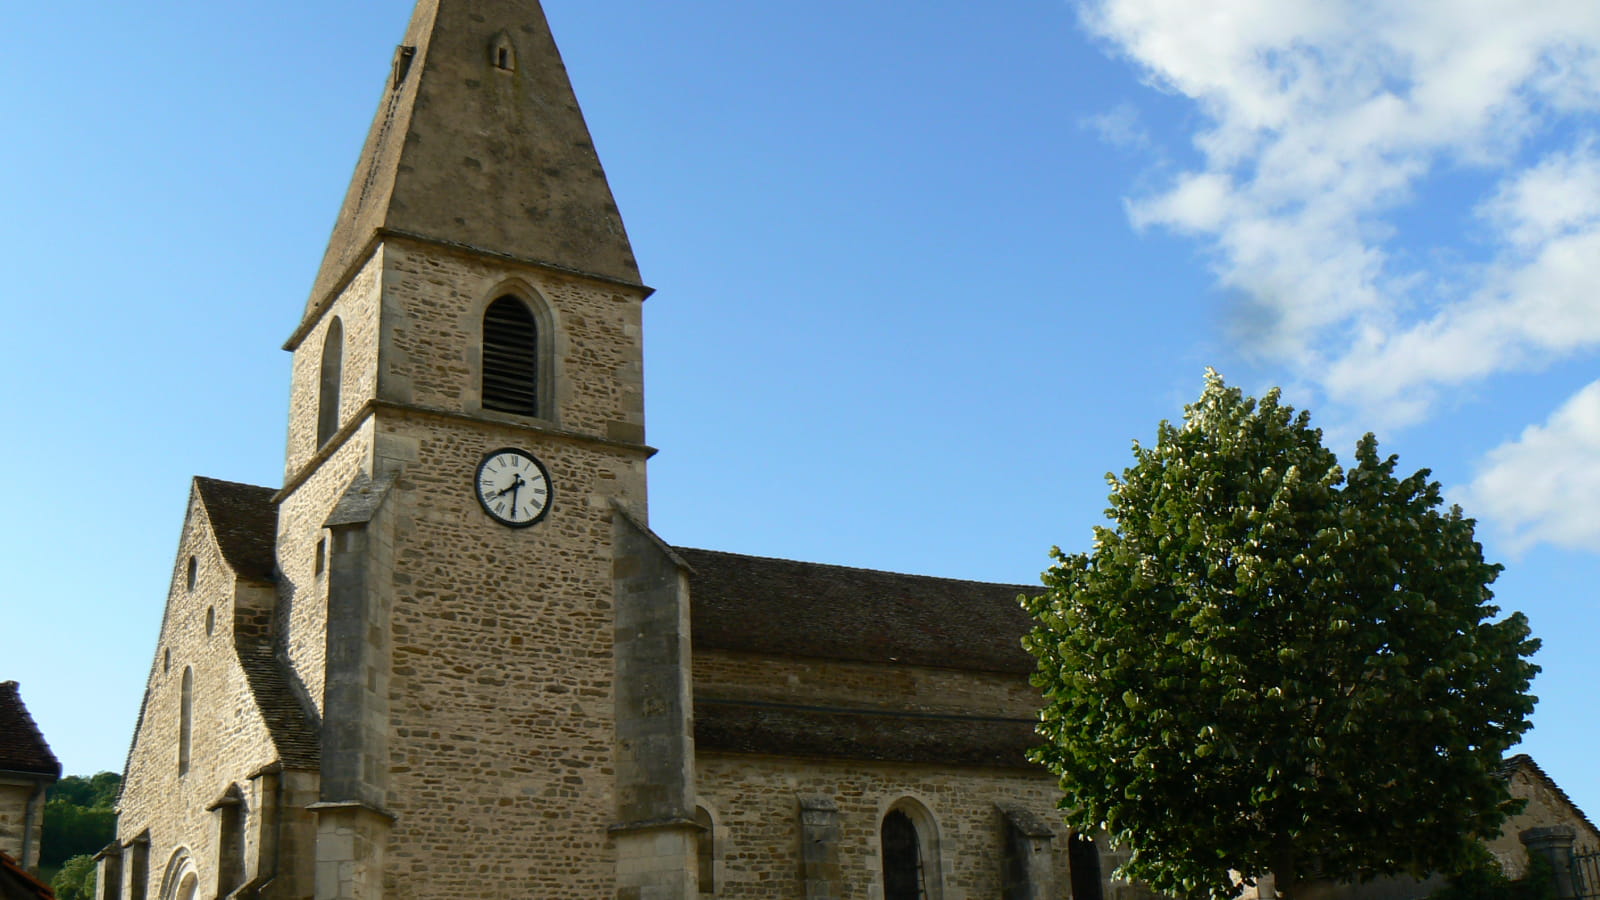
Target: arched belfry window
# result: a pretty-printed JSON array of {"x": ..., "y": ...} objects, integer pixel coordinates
[
  {"x": 510, "y": 357},
  {"x": 328, "y": 384},
  {"x": 185, "y": 720},
  {"x": 903, "y": 871}
]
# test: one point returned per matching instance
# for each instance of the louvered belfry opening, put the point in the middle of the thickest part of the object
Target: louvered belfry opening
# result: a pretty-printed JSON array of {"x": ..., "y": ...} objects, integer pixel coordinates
[{"x": 510, "y": 358}]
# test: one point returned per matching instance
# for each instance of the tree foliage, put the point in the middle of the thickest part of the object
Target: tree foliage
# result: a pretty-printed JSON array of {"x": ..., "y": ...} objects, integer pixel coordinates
[
  {"x": 1270, "y": 664},
  {"x": 79, "y": 818},
  {"x": 76, "y": 879}
]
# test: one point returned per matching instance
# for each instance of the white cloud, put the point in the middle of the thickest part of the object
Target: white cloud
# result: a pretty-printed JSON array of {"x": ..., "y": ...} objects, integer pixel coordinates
[
  {"x": 1324, "y": 121},
  {"x": 1120, "y": 127},
  {"x": 1326, "y": 116},
  {"x": 1545, "y": 486}
]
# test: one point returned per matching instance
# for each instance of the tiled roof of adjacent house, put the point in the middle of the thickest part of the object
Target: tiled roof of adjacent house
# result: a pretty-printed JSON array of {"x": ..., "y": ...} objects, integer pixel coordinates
[
  {"x": 781, "y": 729},
  {"x": 22, "y": 747},
  {"x": 781, "y": 607},
  {"x": 15, "y": 881},
  {"x": 245, "y": 521}
]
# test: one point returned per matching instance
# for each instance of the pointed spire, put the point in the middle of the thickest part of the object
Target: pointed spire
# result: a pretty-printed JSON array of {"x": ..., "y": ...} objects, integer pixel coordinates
[{"x": 478, "y": 141}]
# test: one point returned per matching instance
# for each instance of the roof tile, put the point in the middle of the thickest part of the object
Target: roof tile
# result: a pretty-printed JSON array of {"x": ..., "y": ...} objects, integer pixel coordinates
[{"x": 22, "y": 747}]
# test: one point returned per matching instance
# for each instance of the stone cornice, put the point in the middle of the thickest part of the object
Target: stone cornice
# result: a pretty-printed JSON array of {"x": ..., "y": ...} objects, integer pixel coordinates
[
  {"x": 320, "y": 305},
  {"x": 374, "y": 406}
]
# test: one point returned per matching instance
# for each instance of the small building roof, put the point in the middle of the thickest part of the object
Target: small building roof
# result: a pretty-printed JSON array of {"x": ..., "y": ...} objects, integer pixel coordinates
[
  {"x": 245, "y": 521},
  {"x": 1524, "y": 761},
  {"x": 22, "y": 747},
  {"x": 293, "y": 733},
  {"x": 16, "y": 883}
]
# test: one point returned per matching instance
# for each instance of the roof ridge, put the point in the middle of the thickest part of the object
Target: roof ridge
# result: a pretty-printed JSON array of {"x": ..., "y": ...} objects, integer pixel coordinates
[{"x": 838, "y": 566}]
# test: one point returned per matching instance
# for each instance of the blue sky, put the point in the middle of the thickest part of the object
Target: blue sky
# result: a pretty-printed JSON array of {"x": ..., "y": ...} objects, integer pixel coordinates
[{"x": 924, "y": 271}]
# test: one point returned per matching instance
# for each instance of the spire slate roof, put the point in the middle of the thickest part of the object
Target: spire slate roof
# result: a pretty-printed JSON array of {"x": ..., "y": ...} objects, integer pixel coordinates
[
  {"x": 465, "y": 152},
  {"x": 22, "y": 747}
]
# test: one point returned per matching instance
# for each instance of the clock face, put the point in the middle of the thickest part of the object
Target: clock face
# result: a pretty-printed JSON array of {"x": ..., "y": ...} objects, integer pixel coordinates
[{"x": 513, "y": 487}]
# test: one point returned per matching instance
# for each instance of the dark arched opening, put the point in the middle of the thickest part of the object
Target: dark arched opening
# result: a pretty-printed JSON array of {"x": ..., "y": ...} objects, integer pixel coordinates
[
  {"x": 902, "y": 858},
  {"x": 328, "y": 383},
  {"x": 1084, "y": 859}
]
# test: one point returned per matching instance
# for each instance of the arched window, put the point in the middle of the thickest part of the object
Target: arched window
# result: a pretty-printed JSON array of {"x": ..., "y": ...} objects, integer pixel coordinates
[
  {"x": 510, "y": 357},
  {"x": 181, "y": 880},
  {"x": 707, "y": 850},
  {"x": 328, "y": 385},
  {"x": 903, "y": 877},
  {"x": 1083, "y": 857},
  {"x": 185, "y": 720}
]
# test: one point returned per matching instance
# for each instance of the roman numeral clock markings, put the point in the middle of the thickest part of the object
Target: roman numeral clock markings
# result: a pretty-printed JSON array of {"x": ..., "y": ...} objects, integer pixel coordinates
[{"x": 513, "y": 487}]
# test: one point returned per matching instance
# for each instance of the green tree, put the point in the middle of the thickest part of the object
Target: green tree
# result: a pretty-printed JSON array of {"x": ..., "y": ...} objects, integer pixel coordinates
[
  {"x": 76, "y": 879},
  {"x": 96, "y": 790},
  {"x": 1269, "y": 664},
  {"x": 79, "y": 818}
]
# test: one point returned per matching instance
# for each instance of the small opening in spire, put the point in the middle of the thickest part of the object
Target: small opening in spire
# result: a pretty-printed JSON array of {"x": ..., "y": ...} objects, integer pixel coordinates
[
  {"x": 402, "y": 62},
  {"x": 502, "y": 54}
]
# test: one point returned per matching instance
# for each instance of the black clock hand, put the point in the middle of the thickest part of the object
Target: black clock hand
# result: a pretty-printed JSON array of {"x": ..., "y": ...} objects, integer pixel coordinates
[{"x": 513, "y": 488}]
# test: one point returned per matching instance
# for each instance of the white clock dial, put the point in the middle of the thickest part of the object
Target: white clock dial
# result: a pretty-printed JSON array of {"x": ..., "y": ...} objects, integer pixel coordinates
[{"x": 513, "y": 487}]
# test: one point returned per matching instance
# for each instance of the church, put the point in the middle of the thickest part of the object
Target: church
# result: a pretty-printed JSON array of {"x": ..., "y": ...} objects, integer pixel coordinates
[{"x": 448, "y": 658}]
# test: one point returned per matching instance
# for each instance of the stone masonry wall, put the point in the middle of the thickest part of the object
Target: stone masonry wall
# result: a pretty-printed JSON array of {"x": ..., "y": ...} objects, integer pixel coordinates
[
  {"x": 14, "y": 797},
  {"x": 357, "y": 311},
  {"x": 433, "y": 320},
  {"x": 753, "y": 801},
  {"x": 302, "y": 589},
  {"x": 501, "y": 773},
  {"x": 229, "y": 739}
]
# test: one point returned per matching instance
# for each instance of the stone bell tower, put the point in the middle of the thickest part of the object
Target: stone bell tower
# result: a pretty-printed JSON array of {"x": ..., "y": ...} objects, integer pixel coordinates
[{"x": 460, "y": 546}]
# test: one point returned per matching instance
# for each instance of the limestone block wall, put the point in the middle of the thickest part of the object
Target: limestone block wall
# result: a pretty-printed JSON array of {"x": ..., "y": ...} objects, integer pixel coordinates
[
  {"x": 302, "y": 587},
  {"x": 744, "y": 676},
  {"x": 229, "y": 741},
  {"x": 433, "y": 307},
  {"x": 501, "y": 775},
  {"x": 357, "y": 310},
  {"x": 755, "y": 807},
  {"x": 15, "y": 795}
]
